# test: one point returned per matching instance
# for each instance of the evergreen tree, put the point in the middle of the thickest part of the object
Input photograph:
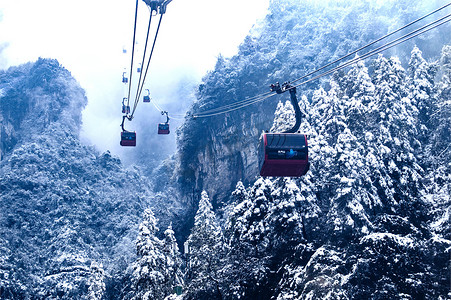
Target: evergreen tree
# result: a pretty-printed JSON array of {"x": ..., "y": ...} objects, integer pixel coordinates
[
  {"x": 284, "y": 117},
  {"x": 149, "y": 271},
  {"x": 96, "y": 289},
  {"x": 174, "y": 276},
  {"x": 206, "y": 254},
  {"x": 422, "y": 93}
]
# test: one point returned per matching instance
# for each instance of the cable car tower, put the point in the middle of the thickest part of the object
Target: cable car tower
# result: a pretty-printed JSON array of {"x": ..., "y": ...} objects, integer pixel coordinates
[
  {"x": 156, "y": 7},
  {"x": 284, "y": 154}
]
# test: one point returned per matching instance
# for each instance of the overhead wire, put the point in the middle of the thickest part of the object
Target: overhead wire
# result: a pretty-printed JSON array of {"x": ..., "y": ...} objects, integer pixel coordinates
[
  {"x": 381, "y": 49},
  {"x": 259, "y": 98},
  {"x": 142, "y": 78},
  {"x": 372, "y": 43},
  {"x": 144, "y": 54},
  {"x": 238, "y": 103},
  {"x": 133, "y": 54},
  {"x": 138, "y": 95}
]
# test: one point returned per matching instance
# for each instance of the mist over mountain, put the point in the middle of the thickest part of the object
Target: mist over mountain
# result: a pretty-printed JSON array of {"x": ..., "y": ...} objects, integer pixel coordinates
[
  {"x": 370, "y": 220},
  {"x": 67, "y": 210}
]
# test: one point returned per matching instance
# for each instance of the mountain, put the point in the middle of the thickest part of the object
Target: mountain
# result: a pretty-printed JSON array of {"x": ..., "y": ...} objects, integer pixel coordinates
[
  {"x": 70, "y": 215},
  {"x": 370, "y": 220},
  {"x": 216, "y": 152}
]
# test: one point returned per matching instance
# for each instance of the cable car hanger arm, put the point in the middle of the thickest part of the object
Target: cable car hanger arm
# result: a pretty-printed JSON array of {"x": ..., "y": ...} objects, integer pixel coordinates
[
  {"x": 155, "y": 4},
  {"x": 294, "y": 102}
]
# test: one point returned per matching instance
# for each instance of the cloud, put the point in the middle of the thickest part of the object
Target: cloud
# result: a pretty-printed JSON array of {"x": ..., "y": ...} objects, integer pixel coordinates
[{"x": 87, "y": 37}]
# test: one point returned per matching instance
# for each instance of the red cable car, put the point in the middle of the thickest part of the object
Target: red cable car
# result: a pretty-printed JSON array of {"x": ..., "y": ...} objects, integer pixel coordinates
[
  {"x": 163, "y": 128},
  {"x": 283, "y": 154},
  {"x": 128, "y": 138},
  {"x": 146, "y": 98}
]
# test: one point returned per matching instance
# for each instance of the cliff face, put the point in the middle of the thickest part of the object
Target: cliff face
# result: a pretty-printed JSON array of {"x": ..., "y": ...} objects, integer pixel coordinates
[{"x": 35, "y": 96}]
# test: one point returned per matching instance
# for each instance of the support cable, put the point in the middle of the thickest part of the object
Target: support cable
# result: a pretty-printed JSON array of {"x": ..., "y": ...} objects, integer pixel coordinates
[
  {"x": 406, "y": 37},
  {"x": 133, "y": 54},
  {"x": 147, "y": 68},
  {"x": 259, "y": 98},
  {"x": 372, "y": 43},
  {"x": 144, "y": 54}
]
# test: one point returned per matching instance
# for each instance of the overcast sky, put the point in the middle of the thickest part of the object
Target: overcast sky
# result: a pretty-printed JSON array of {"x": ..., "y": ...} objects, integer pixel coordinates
[{"x": 88, "y": 36}]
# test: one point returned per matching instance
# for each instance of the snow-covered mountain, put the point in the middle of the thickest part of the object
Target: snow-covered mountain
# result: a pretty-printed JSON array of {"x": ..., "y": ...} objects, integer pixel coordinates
[
  {"x": 294, "y": 39},
  {"x": 69, "y": 215},
  {"x": 370, "y": 220}
]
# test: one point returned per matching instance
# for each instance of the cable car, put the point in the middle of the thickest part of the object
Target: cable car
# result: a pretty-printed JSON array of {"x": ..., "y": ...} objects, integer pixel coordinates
[
  {"x": 125, "y": 108},
  {"x": 283, "y": 154},
  {"x": 139, "y": 68},
  {"x": 124, "y": 79},
  {"x": 128, "y": 138},
  {"x": 163, "y": 128},
  {"x": 146, "y": 98}
]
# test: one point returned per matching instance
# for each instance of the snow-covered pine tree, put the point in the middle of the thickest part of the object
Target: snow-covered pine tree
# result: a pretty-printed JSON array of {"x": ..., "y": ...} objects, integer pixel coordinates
[
  {"x": 360, "y": 93},
  {"x": 422, "y": 93},
  {"x": 149, "y": 271},
  {"x": 173, "y": 275},
  {"x": 394, "y": 133},
  {"x": 206, "y": 254},
  {"x": 96, "y": 282},
  {"x": 284, "y": 117},
  {"x": 247, "y": 265}
]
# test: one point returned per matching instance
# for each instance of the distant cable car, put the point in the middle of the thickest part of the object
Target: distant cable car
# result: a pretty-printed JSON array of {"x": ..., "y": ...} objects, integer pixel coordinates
[
  {"x": 139, "y": 68},
  {"x": 128, "y": 138},
  {"x": 124, "y": 79},
  {"x": 146, "y": 98},
  {"x": 125, "y": 108},
  {"x": 284, "y": 154},
  {"x": 163, "y": 128}
]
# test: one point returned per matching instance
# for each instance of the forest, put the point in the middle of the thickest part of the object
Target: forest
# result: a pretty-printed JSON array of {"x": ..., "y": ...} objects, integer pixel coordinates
[{"x": 370, "y": 220}]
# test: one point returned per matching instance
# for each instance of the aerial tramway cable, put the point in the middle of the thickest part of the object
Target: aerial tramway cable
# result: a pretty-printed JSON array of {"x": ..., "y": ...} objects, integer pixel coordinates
[
  {"x": 243, "y": 103},
  {"x": 372, "y": 43},
  {"x": 144, "y": 54},
  {"x": 139, "y": 91},
  {"x": 133, "y": 54},
  {"x": 379, "y": 50},
  {"x": 154, "y": 6}
]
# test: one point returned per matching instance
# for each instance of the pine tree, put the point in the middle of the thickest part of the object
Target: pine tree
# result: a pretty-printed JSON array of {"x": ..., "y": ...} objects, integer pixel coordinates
[
  {"x": 284, "y": 117},
  {"x": 149, "y": 270},
  {"x": 206, "y": 254},
  {"x": 360, "y": 93},
  {"x": 174, "y": 276},
  {"x": 421, "y": 93},
  {"x": 96, "y": 289}
]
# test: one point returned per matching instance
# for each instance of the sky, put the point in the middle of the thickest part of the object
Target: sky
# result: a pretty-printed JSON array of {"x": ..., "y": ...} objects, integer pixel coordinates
[{"x": 88, "y": 37}]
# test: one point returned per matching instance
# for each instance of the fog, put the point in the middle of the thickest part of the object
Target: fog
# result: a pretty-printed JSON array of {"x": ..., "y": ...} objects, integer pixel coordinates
[{"x": 88, "y": 38}]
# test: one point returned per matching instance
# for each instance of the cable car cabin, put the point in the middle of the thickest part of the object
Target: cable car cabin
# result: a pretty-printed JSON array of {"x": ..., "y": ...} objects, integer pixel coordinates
[
  {"x": 128, "y": 138},
  {"x": 146, "y": 98},
  {"x": 125, "y": 109},
  {"x": 283, "y": 155},
  {"x": 163, "y": 128}
]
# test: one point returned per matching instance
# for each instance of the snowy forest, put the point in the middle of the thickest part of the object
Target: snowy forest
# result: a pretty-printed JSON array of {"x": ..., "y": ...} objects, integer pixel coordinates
[{"x": 370, "y": 219}]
